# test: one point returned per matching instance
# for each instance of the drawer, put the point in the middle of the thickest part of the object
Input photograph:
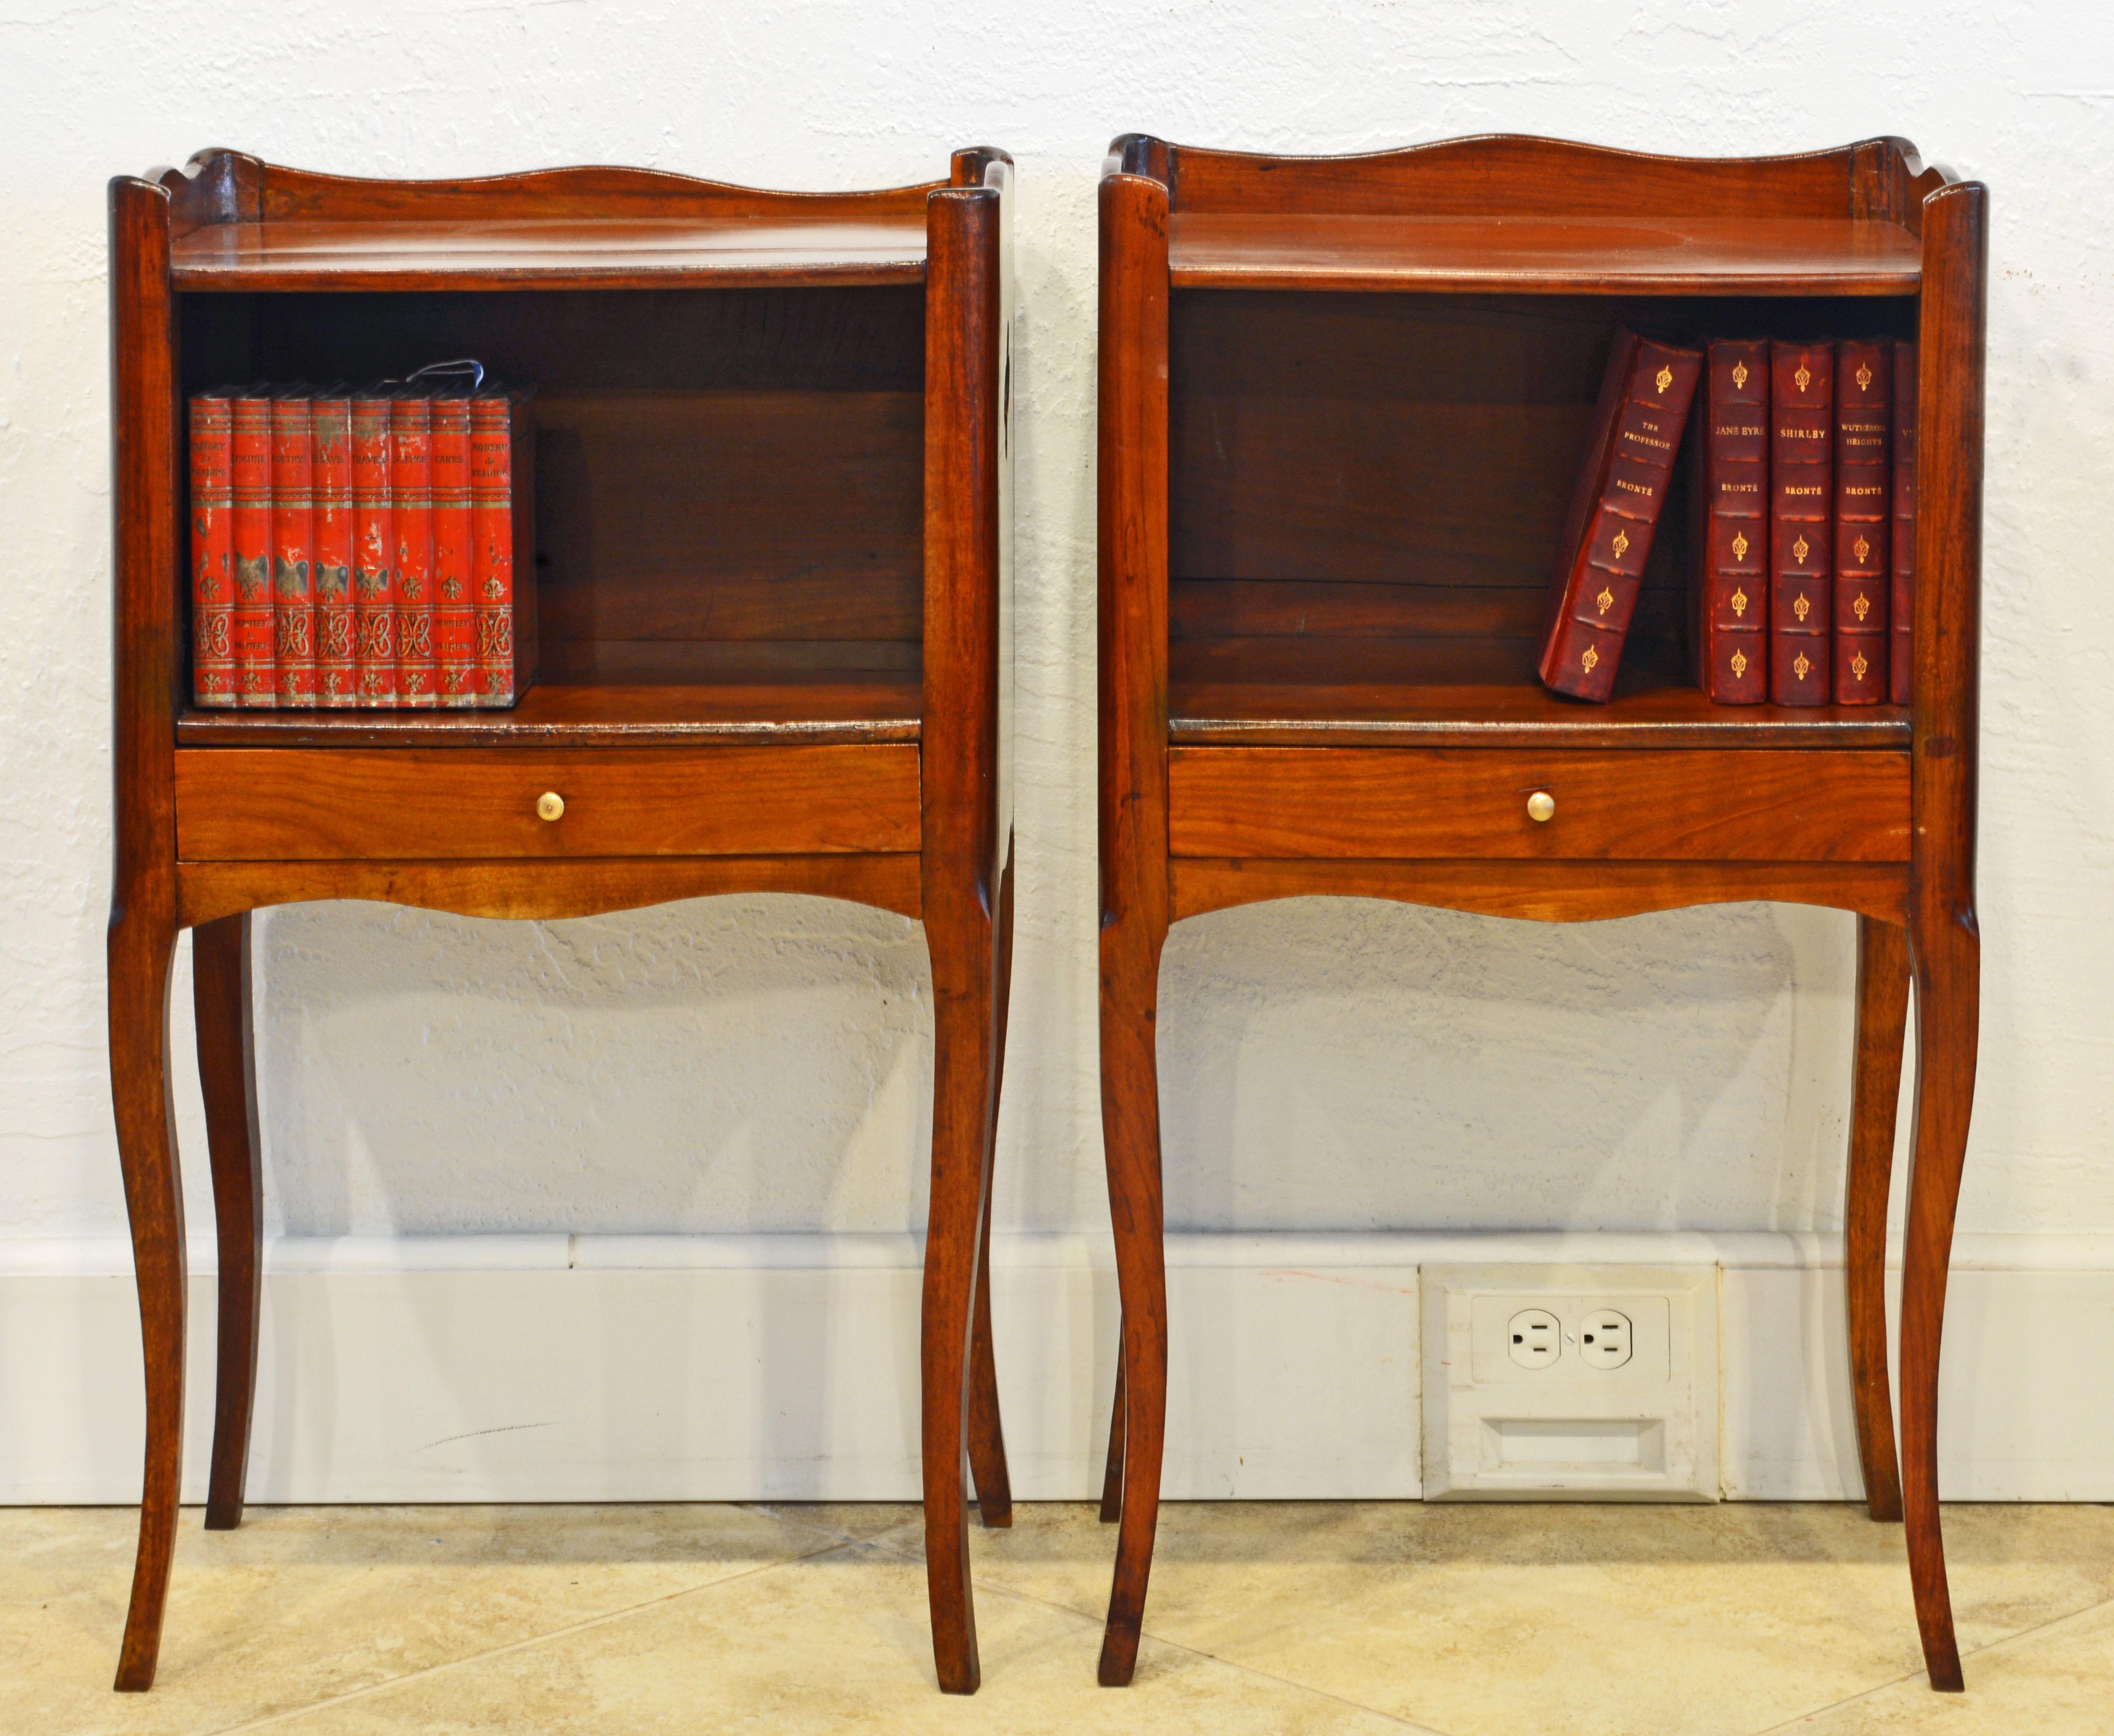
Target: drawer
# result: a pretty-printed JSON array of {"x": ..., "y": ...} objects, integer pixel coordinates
[
  {"x": 239, "y": 804},
  {"x": 1641, "y": 805}
]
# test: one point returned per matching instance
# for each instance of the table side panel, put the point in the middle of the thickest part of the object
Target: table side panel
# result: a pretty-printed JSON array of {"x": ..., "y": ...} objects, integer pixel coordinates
[
  {"x": 1756, "y": 805},
  {"x": 245, "y": 804}
]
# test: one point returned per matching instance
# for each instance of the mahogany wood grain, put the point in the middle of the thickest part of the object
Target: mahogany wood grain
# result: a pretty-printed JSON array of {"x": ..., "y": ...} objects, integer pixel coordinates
[
  {"x": 813, "y": 706},
  {"x": 1944, "y": 934},
  {"x": 961, "y": 868},
  {"x": 1543, "y": 891},
  {"x": 1429, "y": 690},
  {"x": 1707, "y": 254},
  {"x": 236, "y": 804},
  {"x": 1112, "y": 1470},
  {"x": 987, "y": 1465},
  {"x": 1509, "y": 174},
  {"x": 1362, "y": 490},
  {"x": 545, "y": 891},
  {"x": 1883, "y": 1006},
  {"x": 148, "y": 562},
  {"x": 1132, "y": 704},
  {"x": 227, "y": 1077},
  {"x": 1768, "y": 805}
]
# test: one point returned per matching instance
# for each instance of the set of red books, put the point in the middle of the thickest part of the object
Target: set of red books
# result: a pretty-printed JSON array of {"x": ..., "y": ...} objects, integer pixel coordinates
[
  {"x": 1803, "y": 515},
  {"x": 356, "y": 549}
]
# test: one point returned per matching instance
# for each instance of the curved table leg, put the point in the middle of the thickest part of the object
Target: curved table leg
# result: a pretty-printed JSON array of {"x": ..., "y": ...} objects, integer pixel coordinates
[
  {"x": 142, "y": 946},
  {"x": 987, "y": 1430},
  {"x": 1948, "y": 953},
  {"x": 1130, "y": 1132},
  {"x": 227, "y": 1072},
  {"x": 1112, "y": 1472},
  {"x": 1883, "y": 1006},
  {"x": 960, "y": 938}
]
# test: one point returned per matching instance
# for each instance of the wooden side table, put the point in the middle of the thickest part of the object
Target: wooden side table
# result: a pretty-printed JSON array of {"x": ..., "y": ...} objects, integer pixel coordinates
[
  {"x": 775, "y": 558},
  {"x": 1342, "y": 403}
]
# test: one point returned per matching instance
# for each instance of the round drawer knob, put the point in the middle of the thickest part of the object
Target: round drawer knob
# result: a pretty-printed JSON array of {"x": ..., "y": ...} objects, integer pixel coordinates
[
  {"x": 549, "y": 806},
  {"x": 1541, "y": 806}
]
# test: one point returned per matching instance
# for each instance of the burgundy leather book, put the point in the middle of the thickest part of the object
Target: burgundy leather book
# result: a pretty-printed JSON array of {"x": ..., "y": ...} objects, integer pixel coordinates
[
  {"x": 213, "y": 549},
  {"x": 1801, "y": 490},
  {"x": 250, "y": 461},
  {"x": 1729, "y": 602},
  {"x": 411, "y": 506},
  {"x": 337, "y": 682},
  {"x": 501, "y": 486},
  {"x": 1864, "y": 412},
  {"x": 1901, "y": 664},
  {"x": 292, "y": 546},
  {"x": 374, "y": 548},
  {"x": 1621, "y": 490}
]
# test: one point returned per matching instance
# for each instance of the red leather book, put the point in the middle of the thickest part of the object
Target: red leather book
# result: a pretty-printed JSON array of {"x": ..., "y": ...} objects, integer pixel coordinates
[
  {"x": 1901, "y": 664},
  {"x": 254, "y": 623},
  {"x": 1621, "y": 490},
  {"x": 212, "y": 550},
  {"x": 1801, "y": 489},
  {"x": 502, "y": 436},
  {"x": 411, "y": 502},
  {"x": 1864, "y": 411},
  {"x": 292, "y": 547},
  {"x": 454, "y": 599},
  {"x": 373, "y": 552},
  {"x": 337, "y": 682},
  {"x": 1730, "y": 601}
]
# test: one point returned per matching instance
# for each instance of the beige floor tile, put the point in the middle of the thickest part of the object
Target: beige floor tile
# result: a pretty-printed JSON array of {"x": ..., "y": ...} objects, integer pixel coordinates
[
  {"x": 834, "y": 1642},
  {"x": 899, "y": 1524},
  {"x": 1513, "y": 1621},
  {"x": 2055, "y": 1681},
  {"x": 302, "y": 1603}
]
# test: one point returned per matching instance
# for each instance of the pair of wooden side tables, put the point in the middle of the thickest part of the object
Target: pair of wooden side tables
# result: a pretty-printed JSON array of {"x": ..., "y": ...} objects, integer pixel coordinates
[{"x": 1341, "y": 404}]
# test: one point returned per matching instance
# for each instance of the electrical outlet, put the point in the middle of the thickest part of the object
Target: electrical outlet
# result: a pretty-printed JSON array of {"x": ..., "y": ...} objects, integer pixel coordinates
[
  {"x": 1606, "y": 1339},
  {"x": 1537, "y": 1337},
  {"x": 1569, "y": 1382}
]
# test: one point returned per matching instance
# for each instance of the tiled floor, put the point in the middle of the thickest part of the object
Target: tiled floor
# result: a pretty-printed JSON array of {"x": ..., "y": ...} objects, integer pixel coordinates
[{"x": 1354, "y": 1617}]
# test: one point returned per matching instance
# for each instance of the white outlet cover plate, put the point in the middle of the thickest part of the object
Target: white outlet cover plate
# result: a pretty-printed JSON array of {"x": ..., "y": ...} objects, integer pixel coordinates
[{"x": 1494, "y": 1431}]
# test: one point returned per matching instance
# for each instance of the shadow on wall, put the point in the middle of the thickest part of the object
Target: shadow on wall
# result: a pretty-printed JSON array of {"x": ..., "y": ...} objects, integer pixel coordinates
[
  {"x": 727, "y": 1065},
  {"x": 1331, "y": 1063}
]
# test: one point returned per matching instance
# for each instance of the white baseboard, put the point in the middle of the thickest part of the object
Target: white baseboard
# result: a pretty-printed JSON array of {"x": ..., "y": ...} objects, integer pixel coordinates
[{"x": 785, "y": 1368}]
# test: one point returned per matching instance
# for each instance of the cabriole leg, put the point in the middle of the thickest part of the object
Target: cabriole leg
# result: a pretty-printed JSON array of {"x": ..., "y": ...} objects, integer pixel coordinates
[
  {"x": 227, "y": 1072},
  {"x": 1882, "y": 1003},
  {"x": 141, "y": 948},
  {"x": 964, "y": 1042},
  {"x": 1112, "y": 1472},
  {"x": 1130, "y": 1132},
  {"x": 1948, "y": 955},
  {"x": 986, "y": 1431}
]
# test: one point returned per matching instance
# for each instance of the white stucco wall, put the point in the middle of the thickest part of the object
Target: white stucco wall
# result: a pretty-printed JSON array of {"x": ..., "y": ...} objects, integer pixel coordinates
[{"x": 760, "y": 1063}]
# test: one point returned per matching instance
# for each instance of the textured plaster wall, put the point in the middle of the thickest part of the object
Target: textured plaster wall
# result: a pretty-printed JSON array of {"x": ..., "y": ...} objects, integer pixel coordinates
[{"x": 761, "y": 1063}]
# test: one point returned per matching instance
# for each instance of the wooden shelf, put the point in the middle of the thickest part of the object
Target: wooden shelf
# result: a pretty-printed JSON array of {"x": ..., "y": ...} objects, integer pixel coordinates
[
  {"x": 858, "y": 706},
  {"x": 1443, "y": 692},
  {"x": 620, "y": 253},
  {"x": 1546, "y": 255}
]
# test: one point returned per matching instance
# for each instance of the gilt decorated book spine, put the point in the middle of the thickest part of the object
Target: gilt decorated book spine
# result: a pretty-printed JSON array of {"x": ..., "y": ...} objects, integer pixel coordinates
[
  {"x": 212, "y": 550},
  {"x": 373, "y": 552},
  {"x": 1801, "y": 486},
  {"x": 1901, "y": 663},
  {"x": 292, "y": 547},
  {"x": 1731, "y": 597},
  {"x": 491, "y": 528},
  {"x": 1621, "y": 490},
  {"x": 253, "y": 623},
  {"x": 411, "y": 500},
  {"x": 1864, "y": 409},
  {"x": 454, "y": 600},
  {"x": 338, "y": 678}
]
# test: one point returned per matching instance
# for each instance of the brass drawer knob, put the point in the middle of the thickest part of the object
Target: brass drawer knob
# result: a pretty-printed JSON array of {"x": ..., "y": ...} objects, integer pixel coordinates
[
  {"x": 1541, "y": 806},
  {"x": 549, "y": 806}
]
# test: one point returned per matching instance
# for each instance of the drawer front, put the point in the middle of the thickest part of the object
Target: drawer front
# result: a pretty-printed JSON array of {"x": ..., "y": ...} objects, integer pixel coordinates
[
  {"x": 1646, "y": 805},
  {"x": 236, "y": 804}
]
